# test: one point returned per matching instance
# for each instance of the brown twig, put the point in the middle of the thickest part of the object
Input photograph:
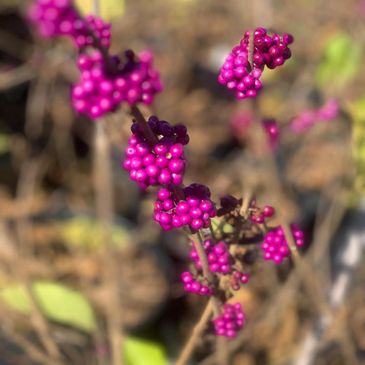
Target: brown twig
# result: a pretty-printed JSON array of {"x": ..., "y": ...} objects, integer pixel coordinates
[
  {"x": 196, "y": 334},
  {"x": 146, "y": 130},
  {"x": 104, "y": 204}
]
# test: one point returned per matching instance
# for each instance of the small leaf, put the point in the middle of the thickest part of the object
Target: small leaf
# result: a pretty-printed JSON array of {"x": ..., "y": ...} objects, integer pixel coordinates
[
  {"x": 138, "y": 351},
  {"x": 357, "y": 111},
  {"x": 86, "y": 232},
  {"x": 108, "y": 8},
  {"x": 15, "y": 297},
  {"x": 342, "y": 61},
  {"x": 4, "y": 143},
  {"x": 57, "y": 302},
  {"x": 65, "y": 305}
]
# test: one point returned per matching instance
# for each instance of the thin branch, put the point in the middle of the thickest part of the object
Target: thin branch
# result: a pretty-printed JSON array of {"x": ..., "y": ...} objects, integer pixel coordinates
[
  {"x": 146, "y": 130},
  {"x": 196, "y": 334}
]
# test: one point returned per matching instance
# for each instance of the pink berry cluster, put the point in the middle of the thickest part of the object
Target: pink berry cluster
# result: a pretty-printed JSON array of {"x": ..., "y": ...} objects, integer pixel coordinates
[
  {"x": 105, "y": 81},
  {"x": 272, "y": 131},
  {"x": 101, "y": 90},
  {"x": 230, "y": 321},
  {"x": 259, "y": 215},
  {"x": 100, "y": 29},
  {"x": 195, "y": 210},
  {"x": 275, "y": 245},
  {"x": 239, "y": 278},
  {"x": 219, "y": 259},
  {"x": 307, "y": 119},
  {"x": 242, "y": 75},
  {"x": 161, "y": 164},
  {"x": 192, "y": 285},
  {"x": 60, "y": 18}
]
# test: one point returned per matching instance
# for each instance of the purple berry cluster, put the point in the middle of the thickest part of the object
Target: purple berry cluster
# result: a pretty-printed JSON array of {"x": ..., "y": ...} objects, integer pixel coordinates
[
  {"x": 195, "y": 210},
  {"x": 60, "y": 18},
  {"x": 235, "y": 75},
  {"x": 161, "y": 164},
  {"x": 239, "y": 278},
  {"x": 259, "y": 215},
  {"x": 101, "y": 90},
  {"x": 243, "y": 75},
  {"x": 275, "y": 245},
  {"x": 230, "y": 321},
  {"x": 56, "y": 18},
  {"x": 192, "y": 285},
  {"x": 218, "y": 256},
  {"x": 100, "y": 29},
  {"x": 307, "y": 119}
]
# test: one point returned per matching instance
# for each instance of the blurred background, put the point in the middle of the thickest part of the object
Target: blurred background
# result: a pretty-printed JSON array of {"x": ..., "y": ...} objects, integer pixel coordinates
[{"x": 83, "y": 265}]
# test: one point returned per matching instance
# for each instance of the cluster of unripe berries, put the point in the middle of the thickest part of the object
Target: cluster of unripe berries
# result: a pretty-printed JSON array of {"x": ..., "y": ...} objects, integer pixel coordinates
[
  {"x": 230, "y": 321},
  {"x": 307, "y": 119},
  {"x": 194, "y": 286},
  {"x": 161, "y": 164},
  {"x": 275, "y": 245},
  {"x": 259, "y": 215},
  {"x": 103, "y": 86},
  {"x": 241, "y": 74},
  {"x": 219, "y": 259},
  {"x": 195, "y": 209},
  {"x": 60, "y": 18}
]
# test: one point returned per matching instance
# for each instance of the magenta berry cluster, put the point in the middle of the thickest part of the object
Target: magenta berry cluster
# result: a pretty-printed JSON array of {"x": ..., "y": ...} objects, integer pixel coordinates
[
  {"x": 60, "y": 18},
  {"x": 308, "y": 118},
  {"x": 230, "y": 321},
  {"x": 192, "y": 285},
  {"x": 56, "y": 18},
  {"x": 218, "y": 256},
  {"x": 194, "y": 210},
  {"x": 259, "y": 215},
  {"x": 235, "y": 75},
  {"x": 238, "y": 278},
  {"x": 101, "y": 90},
  {"x": 154, "y": 155},
  {"x": 160, "y": 164},
  {"x": 241, "y": 74},
  {"x": 275, "y": 245}
]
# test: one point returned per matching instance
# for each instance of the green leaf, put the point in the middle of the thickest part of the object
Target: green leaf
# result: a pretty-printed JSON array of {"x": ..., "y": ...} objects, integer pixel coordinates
[
  {"x": 108, "y": 8},
  {"x": 15, "y": 297},
  {"x": 4, "y": 143},
  {"x": 220, "y": 226},
  {"x": 138, "y": 351},
  {"x": 57, "y": 303},
  {"x": 341, "y": 62},
  {"x": 357, "y": 110},
  {"x": 86, "y": 232}
]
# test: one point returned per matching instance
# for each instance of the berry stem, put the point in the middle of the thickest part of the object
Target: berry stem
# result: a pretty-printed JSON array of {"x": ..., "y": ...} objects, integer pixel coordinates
[
  {"x": 290, "y": 240},
  {"x": 196, "y": 334},
  {"x": 244, "y": 211},
  {"x": 203, "y": 258},
  {"x": 146, "y": 130},
  {"x": 251, "y": 48},
  {"x": 110, "y": 66}
]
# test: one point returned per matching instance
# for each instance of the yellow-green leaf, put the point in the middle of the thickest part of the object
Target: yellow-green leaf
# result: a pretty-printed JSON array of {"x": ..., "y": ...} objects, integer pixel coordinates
[
  {"x": 57, "y": 302},
  {"x": 341, "y": 61},
  {"x": 86, "y": 232},
  {"x": 138, "y": 351},
  {"x": 109, "y": 9}
]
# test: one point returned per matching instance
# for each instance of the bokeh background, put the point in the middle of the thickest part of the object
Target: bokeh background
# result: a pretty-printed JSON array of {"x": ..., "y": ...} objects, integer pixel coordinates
[{"x": 82, "y": 264}]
